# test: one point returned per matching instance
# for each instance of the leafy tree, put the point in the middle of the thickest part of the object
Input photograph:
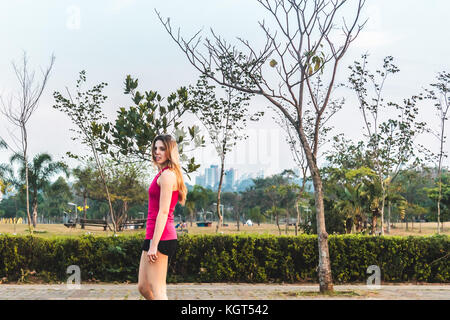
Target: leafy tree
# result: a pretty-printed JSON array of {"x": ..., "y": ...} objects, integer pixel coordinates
[
  {"x": 282, "y": 198},
  {"x": 130, "y": 137},
  {"x": 441, "y": 97},
  {"x": 236, "y": 202},
  {"x": 197, "y": 199},
  {"x": 288, "y": 198},
  {"x": 126, "y": 187},
  {"x": 352, "y": 187},
  {"x": 255, "y": 195},
  {"x": 57, "y": 195},
  {"x": 85, "y": 112},
  {"x": 82, "y": 184},
  {"x": 442, "y": 192},
  {"x": 391, "y": 142},
  {"x": 255, "y": 215},
  {"x": 345, "y": 180}
]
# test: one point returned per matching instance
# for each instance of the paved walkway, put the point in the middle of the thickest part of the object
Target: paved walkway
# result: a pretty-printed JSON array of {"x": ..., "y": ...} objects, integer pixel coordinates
[{"x": 224, "y": 291}]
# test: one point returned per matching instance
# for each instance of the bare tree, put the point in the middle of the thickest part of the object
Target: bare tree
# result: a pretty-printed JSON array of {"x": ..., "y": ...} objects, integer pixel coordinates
[
  {"x": 292, "y": 138},
  {"x": 308, "y": 46},
  {"x": 225, "y": 120},
  {"x": 19, "y": 108}
]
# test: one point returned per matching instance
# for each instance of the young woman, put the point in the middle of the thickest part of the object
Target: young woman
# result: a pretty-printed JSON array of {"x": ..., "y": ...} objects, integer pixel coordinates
[{"x": 160, "y": 241}]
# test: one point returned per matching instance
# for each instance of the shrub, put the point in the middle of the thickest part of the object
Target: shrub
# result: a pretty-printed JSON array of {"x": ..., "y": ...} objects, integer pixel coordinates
[{"x": 230, "y": 258}]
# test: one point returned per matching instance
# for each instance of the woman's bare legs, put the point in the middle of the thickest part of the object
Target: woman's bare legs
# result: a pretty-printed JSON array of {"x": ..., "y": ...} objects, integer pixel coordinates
[
  {"x": 152, "y": 277},
  {"x": 143, "y": 281}
]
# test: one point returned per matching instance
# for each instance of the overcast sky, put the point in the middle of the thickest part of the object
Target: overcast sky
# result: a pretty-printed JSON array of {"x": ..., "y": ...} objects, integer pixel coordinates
[{"x": 111, "y": 39}]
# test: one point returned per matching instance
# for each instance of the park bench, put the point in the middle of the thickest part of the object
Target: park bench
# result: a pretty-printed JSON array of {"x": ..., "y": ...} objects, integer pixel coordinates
[
  {"x": 137, "y": 223},
  {"x": 93, "y": 222}
]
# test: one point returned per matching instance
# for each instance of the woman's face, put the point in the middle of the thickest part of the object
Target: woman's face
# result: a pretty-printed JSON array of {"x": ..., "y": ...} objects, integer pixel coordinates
[{"x": 160, "y": 153}]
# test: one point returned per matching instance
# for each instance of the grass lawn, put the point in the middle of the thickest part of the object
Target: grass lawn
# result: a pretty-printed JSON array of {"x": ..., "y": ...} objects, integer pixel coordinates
[{"x": 50, "y": 230}]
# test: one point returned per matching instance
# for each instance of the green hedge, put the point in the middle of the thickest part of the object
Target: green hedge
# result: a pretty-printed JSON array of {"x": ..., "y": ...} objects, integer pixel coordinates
[{"x": 230, "y": 258}]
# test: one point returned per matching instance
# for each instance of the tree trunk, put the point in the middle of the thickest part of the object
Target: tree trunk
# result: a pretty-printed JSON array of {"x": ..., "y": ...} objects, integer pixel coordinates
[
  {"x": 382, "y": 210},
  {"x": 15, "y": 212},
  {"x": 439, "y": 207},
  {"x": 358, "y": 224},
  {"x": 84, "y": 208},
  {"x": 440, "y": 174},
  {"x": 123, "y": 216},
  {"x": 35, "y": 213},
  {"x": 219, "y": 214},
  {"x": 276, "y": 219},
  {"x": 287, "y": 222},
  {"x": 325, "y": 276},
  {"x": 191, "y": 213},
  {"x": 374, "y": 221},
  {"x": 348, "y": 225},
  {"x": 100, "y": 169},
  {"x": 85, "y": 204},
  {"x": 388, "y": 231},
  {"x": 27, "y": 185}
]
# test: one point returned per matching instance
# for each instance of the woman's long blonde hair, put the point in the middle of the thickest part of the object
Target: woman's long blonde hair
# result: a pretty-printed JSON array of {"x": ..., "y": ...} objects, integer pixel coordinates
[{"x": 173, "y": 162}]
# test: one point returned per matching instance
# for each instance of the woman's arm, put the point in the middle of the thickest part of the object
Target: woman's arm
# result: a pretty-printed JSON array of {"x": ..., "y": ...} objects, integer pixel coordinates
[{"x": 167, "y": 181}]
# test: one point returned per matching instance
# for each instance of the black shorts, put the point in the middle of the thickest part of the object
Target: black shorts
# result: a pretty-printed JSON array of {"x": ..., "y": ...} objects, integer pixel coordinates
[{"x": 167, "y": 247}]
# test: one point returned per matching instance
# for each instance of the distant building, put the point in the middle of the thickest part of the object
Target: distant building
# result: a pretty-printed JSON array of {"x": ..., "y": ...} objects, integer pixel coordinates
[
  {"x": 211, "y": 177},
  {"x": 230, "y": 178},
  {"x": 200, "y": 180},
  {"x": 215, "y": 175},
  {"x": 208, "y": 177}
]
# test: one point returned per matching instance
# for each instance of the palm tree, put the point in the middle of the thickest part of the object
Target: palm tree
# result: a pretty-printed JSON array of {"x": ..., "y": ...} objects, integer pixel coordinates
[
  {"x": 40, "y": 170},
  {"x": 351, "y": 205},
  {"x": 373, "y": 195}
]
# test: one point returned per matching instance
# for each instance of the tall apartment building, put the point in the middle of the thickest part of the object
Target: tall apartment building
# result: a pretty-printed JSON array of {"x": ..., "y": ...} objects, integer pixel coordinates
[
  {"x": 230, "y": 178},
  {"x": 211, "y": 178}
]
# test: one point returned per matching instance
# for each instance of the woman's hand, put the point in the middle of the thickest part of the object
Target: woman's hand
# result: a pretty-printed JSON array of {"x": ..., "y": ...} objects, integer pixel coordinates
[{"x": 152, "y": 253}]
